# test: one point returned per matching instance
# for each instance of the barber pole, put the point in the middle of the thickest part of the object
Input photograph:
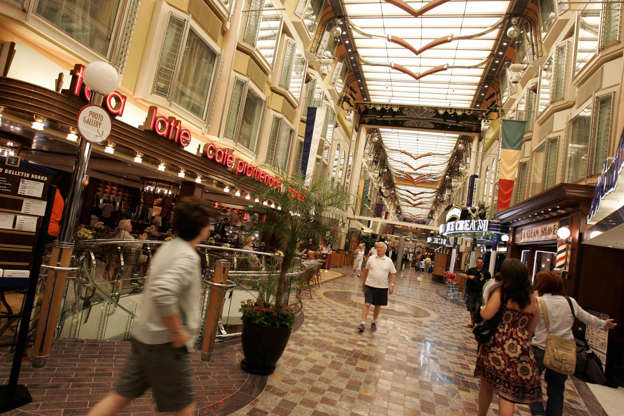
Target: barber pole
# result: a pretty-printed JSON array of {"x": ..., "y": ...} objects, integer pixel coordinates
[{"x": 562, "y": 255}]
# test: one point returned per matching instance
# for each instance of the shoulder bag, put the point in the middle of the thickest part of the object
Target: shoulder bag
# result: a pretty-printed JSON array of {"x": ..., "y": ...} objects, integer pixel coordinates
[
  {"x": 560, "y": 354},
  {"x": 485, "y": 330}
]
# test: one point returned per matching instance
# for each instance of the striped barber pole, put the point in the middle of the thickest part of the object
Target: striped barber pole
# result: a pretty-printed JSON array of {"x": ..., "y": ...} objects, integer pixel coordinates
[{"x": 562, "y": 255}]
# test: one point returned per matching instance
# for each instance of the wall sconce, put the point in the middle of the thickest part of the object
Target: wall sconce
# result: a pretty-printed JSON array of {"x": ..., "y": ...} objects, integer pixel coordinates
[
  {"x": 138, "y": 158},
  {"x": 181, "y": 174},
  {"x": 226, "y": 189},
  {"x": 110, "y": 149},
  {"x": 72, "y": 136},
  {"x": 38, "y": 124},
  {"x": 257, "y": 200},
  {"x": 162, "y": 166},
  {"x": 237, "y": 193},
  {"x": 247, "y": 197},
  {"x": 198, "y": 179}
]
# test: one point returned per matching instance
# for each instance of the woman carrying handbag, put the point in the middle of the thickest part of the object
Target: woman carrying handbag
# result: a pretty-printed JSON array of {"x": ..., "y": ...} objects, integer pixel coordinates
[{"x": 557, "y": 313}]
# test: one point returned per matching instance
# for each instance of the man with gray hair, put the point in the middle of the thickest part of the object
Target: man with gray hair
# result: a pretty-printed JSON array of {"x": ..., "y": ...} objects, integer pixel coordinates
[{"x": 375, "y": 283}]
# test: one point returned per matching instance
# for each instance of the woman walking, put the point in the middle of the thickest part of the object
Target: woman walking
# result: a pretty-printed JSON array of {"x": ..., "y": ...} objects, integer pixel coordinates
[
  {"x": 561, "y": 312},
  {"x": 506, "y": 363},
  {"x": 359, "y": 258}
]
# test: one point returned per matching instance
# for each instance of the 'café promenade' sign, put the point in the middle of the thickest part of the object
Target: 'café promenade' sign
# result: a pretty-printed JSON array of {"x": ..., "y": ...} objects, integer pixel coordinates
[{"x": 541, "y": 232}]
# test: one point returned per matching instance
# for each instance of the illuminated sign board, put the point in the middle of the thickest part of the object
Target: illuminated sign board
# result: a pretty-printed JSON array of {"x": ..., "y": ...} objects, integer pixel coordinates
[{"x": 464, "y": 226}]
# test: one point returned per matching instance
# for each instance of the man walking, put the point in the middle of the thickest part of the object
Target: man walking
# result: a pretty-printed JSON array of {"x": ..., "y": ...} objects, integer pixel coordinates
[
  {"x": 167, "y": 322},
  {"x": 375, "y": 283},
  {"x": 477, "y": 276}
]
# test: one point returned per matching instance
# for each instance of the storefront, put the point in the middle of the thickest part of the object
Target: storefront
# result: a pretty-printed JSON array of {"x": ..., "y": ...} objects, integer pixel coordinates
[{"x": 534, "y": 230}]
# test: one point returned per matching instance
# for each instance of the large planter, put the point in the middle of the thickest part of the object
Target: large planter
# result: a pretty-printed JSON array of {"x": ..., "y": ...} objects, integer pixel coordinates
[{"x": 262, "y": 347}]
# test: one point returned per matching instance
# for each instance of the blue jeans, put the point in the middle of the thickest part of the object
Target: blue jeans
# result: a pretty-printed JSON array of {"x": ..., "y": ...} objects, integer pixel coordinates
[{"x": 555, "y": 388}]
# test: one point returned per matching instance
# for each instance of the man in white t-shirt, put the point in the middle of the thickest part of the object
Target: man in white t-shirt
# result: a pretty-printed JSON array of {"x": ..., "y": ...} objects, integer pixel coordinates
[{"x": 375, "y": 283}]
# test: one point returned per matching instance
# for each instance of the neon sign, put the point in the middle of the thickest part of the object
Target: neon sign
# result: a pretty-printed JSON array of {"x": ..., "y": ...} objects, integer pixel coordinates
[
  {"x": 115, "y": 102},
  {"x": 169, "y": 128}
]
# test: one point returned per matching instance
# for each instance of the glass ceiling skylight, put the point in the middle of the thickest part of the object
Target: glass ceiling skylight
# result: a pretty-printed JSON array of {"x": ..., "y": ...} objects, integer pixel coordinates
[
  {"x": 423, "y": 155},
  {"x": 454, "y": 87}
]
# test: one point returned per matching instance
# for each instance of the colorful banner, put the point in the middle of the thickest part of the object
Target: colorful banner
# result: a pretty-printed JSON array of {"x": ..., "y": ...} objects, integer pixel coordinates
[{"x": 513, "y": 130}]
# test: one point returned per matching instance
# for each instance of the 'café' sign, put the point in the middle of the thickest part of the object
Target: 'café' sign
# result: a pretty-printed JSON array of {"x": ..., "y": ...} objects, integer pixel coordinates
[
  {"x": 541, "y": 232},
  {"x": 464, "y": 226}
]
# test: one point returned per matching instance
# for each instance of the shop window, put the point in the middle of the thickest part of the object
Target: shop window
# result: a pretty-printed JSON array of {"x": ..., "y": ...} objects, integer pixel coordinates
[
  {"x": 245, "y": 115},
  {"x": 538, "y": 170},
  {"x": 578, "y": 145},
  {"x": 610, "y": 30},
  {"x": 559, "y": 72},
  {"x": 342, "y": 164},
  {"x": 505, "y": 86},
  {"x": 293, "y": 69},
  {"x": 603, "y": 130},
  {"x": 310, "y": 12},
  {"x": 329, "y": 42},
  {"x": 103, "y": 27},
  {"x": 552, "y": 149},
  {"x": 328, "y": 127},
  {"x": 336, "y": 160},
  {"x": 262, "y": 28},
  {"x": 521, "y": 182},
  {"x": 280, "y": 143},
  {"x": 186, "y": 67}
]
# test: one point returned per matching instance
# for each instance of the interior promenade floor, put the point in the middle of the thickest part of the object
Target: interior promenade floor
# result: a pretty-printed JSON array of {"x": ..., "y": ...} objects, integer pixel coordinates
[{"x": 420, "y": 361}]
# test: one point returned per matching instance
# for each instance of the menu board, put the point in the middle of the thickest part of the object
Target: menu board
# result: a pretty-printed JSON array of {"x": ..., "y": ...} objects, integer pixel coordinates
[{"x": 23, "y": 192}]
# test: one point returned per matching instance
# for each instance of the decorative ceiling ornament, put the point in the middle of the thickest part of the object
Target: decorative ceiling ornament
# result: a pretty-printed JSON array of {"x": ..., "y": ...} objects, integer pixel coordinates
[
  {"x": 436, "y": 42},
  {"x": 430, "y": 71},
  {"x": 416, "y": 13}
]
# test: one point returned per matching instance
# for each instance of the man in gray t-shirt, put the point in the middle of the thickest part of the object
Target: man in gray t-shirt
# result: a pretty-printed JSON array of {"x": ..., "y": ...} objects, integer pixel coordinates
[
  {"x": 375, "y": 283},
  {"x": 167, "y": 322}
]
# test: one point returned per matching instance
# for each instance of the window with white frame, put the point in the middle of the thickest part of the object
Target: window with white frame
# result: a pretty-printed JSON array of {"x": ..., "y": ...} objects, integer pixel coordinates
[
  {"x": 329, "y": 42},
  {"x": 310, "y": 12},
  {"x": 336, "y": 160},
  {"x": 104, "y": 27},
  {"x": 186, "y": 67},
  {"x": 603, "y": 133},
  {"x": 545, "y": 86},
  {"x": 293, "y": 69},
  {"x": 537, "y": 176},
  {"x": 339, "y": 76},
  {"x": 526, "y": 107},
  {"x": 245, "y": 115},
  {"x": 550, "y": 170},
  {"x": 505, "y": 86},
  {"x": 587, "y": 35},
  {"x": 280, "y": 142},
  {"x": 520, "y": 187},
  {"x": 578, "y": 145},
  {"x": 611, "y": 21},
  {"x": 548, "y": 14},
  {"x": 559, "y": 72},
  {"x": 262, "y": 29}
]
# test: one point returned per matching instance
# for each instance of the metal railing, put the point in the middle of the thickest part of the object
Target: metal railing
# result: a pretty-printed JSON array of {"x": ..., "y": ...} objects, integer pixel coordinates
[{"x": 102, "y": 296}]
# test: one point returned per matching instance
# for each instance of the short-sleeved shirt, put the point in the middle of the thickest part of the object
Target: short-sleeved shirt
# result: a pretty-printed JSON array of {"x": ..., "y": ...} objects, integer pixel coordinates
[{"x": 379, "y": 268}]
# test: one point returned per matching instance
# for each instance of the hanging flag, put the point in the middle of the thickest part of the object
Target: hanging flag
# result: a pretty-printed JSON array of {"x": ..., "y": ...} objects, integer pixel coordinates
[{"x": 513, "y": 130}]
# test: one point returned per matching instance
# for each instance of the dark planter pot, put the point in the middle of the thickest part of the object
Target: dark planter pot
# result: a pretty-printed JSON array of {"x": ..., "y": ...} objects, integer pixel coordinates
[{"x": 262, "y": 347}]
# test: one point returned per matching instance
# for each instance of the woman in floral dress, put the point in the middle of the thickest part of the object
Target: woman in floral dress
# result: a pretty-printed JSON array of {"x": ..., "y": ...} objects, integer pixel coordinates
[{"x": 506, "y": 363}]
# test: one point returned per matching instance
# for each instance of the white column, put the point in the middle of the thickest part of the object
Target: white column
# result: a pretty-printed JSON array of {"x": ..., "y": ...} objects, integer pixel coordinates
[{"x": 492, "y": 262}]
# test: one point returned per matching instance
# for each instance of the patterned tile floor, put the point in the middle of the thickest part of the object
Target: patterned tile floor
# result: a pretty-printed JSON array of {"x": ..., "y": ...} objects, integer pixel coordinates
[{"x": 420, "y": 361}]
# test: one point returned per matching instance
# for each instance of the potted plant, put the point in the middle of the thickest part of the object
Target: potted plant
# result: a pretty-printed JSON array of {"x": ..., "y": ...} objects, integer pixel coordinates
[{"x": 295, "y": 212}]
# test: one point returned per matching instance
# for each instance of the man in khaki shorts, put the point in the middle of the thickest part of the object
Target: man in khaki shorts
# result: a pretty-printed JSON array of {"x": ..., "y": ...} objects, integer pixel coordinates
[
  {"x": 375, "y": 283},
  {"x": 167, "y": 322}
]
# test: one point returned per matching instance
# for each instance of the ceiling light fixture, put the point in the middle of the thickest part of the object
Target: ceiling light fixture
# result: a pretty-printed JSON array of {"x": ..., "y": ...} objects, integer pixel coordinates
[
  {"x": 247, "y": 197},
  {"x": 181, "y": 174},
  {"x": 110, "y": 149},
  {"x": 72, "y": 136},
  {"x": 162, "y": 166},
  {"x": 38, "y": 124},
  {"x": 237, "y": 193},
  {"x": 198, "y": 179},
  {"x": 257, "y": 200},
  {"x": 138, "y": 158},
  {"x": 226, "y": 189}
]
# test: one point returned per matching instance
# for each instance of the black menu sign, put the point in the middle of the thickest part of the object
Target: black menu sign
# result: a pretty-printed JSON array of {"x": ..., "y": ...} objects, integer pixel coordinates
[{"x": 23, "y": 193}]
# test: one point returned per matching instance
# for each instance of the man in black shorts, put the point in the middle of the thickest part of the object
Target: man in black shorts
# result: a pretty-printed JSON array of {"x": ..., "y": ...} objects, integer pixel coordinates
[
  {"x": 477, "y": 276},
  {"x": 375, "y": 283},
  {"x": 167, "y": 322}
]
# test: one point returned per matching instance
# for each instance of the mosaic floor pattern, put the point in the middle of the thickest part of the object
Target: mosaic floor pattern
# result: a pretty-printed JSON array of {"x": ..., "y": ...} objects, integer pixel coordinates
[{"x": 420, "y": 361}]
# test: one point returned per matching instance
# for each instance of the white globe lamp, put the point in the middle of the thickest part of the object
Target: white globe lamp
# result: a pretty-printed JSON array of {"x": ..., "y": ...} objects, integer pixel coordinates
[
  {"x": 563, "y": 233},
  {"x": 101, "y": 77}
]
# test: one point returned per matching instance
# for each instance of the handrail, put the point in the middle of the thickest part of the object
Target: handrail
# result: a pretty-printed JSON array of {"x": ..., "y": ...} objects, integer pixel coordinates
[
  {"x": 103, "y": 293},
  {"x": 103, "y": 241}
]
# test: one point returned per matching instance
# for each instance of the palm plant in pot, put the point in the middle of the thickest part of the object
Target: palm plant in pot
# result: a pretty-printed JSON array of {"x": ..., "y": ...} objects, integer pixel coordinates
[{"x": 290, "y": 215}]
